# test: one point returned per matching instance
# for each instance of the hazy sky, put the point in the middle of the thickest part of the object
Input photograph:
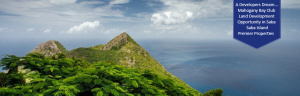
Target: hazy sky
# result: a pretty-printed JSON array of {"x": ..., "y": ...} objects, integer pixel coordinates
[{"x": 142, "y": 19}]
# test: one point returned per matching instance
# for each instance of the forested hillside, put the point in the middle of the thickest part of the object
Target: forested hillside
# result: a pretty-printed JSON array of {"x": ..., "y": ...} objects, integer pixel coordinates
[{"x": 119, "y": 68}]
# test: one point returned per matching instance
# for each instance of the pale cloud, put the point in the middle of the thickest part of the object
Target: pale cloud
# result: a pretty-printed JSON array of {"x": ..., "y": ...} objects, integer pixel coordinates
[
  {"x": 177, "y": 28},
  {"x": 22, "y": 7},
  {"x": 200, "y": 9},
  {"x": 230, "y": 32},
  {"x": 2, "y": 29},
  {"x": 178, "y": 15},
  {"x": 143, "y": 15},
  {"x": 293, "y": 30},
  {"x": 151, "y": 4},
  {"x": 91, "y": 2},
  {"x": 84, "y": 27},
  {"x": 59, "y": 2},
  {"x": 107, "y": 11},
  {"x": 113, "y": 30},
  {"x": 185, "y": 28},
  {"x": 294, "y": 4},
  {"x": 175, "y": 17},
  {"x": 119, "y": 2},
  {"x": 47, "y": 31},
  {"x": 29, "y": 29},
  {"x": 57, "y": 11},
  {"x": 147, "y": 31}
]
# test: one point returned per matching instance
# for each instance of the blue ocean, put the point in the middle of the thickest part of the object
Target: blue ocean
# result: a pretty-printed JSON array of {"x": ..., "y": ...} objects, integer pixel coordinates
[{"x": 240, "y": 70}]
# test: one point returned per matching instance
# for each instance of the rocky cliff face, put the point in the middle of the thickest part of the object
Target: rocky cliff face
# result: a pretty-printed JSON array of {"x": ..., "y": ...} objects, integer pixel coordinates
[{"x": 49, "y": 48}]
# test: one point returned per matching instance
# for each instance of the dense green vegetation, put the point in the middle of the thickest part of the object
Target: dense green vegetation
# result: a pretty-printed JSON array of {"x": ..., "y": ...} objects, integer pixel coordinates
[
  {"x": 61, "y": 76},
  {"x": 119, "y": 68},
  {"x": 127, "y": 54},
  {"x": 66, "y": 76},
  {"x": 216, "y": 92}
]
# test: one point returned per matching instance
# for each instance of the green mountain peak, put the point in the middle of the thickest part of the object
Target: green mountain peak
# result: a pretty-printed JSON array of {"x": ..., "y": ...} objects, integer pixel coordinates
[
  {"x": 117, "y": 42},
  {"x": 124, "y": 51}
]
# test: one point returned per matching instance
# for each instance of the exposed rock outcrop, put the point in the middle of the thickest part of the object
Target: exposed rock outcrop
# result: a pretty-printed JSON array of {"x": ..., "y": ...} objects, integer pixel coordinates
[{"x": 49, "y": 48}]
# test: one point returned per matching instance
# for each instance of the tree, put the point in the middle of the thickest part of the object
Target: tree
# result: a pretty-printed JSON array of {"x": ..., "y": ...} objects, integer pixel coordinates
[{"x": 3, "y": 80}]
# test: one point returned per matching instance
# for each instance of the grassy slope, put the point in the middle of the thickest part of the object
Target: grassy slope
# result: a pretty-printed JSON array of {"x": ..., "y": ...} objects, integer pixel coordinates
[
  {"x": 121, "y": 55},
  {"x": 61, "y": 47}
]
